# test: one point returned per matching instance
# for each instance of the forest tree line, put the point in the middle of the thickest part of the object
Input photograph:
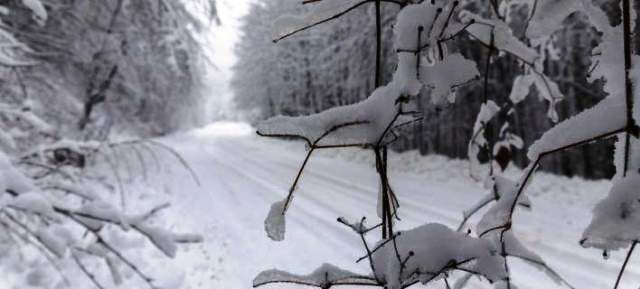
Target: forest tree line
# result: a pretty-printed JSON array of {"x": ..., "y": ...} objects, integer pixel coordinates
[
  {"x": 92, "y": 67},
  {"x": 333, "y": 64}
]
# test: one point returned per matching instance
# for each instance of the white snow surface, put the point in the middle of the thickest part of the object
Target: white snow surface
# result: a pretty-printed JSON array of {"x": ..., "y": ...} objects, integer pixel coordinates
[{"x": 242, "y": 175}]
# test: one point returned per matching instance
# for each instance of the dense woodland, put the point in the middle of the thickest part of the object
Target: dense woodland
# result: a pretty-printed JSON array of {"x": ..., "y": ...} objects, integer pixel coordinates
[{"x": 332, "y": 64}]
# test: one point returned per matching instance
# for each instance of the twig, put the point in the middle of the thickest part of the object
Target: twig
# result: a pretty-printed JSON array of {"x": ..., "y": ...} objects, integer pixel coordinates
[{"x": 624, "y": 265}]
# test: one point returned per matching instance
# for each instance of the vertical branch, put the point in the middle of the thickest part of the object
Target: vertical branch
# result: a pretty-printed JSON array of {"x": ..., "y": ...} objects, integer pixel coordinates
[
  {"x": 387, "y": 214},
  {"x": 379, "y": 161},
  {"x": 626, "y": 19},
  {"x": 419, "y": 46},
  {"x": 383, "y": 192},
  {"x": 624, "y": 265},
  {"x": 389, "y": 201},
  {"x": 378, "y": 82},
  {"x": 485, "y": 100}
]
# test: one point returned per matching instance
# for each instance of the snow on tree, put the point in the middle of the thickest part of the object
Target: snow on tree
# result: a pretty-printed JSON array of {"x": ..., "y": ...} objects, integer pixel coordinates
[
  {"x": 63, "y": 192},
  {"x": 422, "y": 41}
]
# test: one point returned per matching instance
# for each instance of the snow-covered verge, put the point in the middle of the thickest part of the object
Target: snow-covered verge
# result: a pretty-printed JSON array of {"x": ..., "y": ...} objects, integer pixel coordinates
[
  {"x": 77, "y": 238},
  {"x": 242, "y": 175}
]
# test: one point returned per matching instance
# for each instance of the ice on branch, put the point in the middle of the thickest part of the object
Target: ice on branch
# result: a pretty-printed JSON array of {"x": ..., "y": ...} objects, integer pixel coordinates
[
  {"x": 616, "y": 218},
  {"x": 275, "y": 223},
  {"x": 606, "y": 117},
  {"x": 324, "y": 277}
]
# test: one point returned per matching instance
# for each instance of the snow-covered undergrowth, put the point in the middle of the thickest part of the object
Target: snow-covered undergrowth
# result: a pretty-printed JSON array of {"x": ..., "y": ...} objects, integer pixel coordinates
[{"x": 65, "y": 232}]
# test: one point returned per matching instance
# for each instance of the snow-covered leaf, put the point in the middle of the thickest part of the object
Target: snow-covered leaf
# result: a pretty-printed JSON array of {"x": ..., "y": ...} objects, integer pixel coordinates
[
  {"x": 445, "y": 76},
  {"x": 275, "y": 223},
  {"x": 616, "y": 218}
]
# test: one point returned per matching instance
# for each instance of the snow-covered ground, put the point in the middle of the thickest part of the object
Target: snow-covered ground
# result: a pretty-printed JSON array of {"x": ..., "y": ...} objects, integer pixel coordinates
[{"x": 242, "y": 175}]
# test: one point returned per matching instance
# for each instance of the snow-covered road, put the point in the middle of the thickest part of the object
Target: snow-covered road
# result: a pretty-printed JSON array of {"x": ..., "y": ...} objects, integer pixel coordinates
[{"x": 242, "y": 175}]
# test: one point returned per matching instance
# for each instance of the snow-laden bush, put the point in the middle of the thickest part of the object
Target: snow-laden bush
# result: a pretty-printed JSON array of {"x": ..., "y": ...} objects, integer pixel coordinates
[
  {"x": 427, "y": 59},
  {"x": 64, "y": 211}
]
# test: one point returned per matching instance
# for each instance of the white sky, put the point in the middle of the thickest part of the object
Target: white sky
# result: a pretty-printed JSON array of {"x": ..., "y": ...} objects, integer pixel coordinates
[{"x": 223, "y": 39}]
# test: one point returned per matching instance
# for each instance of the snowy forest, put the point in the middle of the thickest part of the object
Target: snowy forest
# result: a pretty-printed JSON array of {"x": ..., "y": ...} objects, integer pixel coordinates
[
  {"x": 467, "y": 144},
  {"x": 331, "y": 66}
]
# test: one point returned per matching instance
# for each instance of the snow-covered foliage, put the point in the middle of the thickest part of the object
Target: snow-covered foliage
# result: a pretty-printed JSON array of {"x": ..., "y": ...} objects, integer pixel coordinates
[
  {"x": 69, "y": 216},
  {"x": 65, "y": 208},
  {"x": 402, "y": 259},
  {"x": 615, "y": 219},
  {"x": 423, "y": 33},
  {"x": 430, "y": 252},
  {"x": 422, "y": 40}
]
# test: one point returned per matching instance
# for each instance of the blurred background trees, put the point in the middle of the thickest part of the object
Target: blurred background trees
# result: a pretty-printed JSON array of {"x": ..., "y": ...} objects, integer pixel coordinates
[
  {"x": 331, "y": 65},
  {"x": 133, "y": 66}
]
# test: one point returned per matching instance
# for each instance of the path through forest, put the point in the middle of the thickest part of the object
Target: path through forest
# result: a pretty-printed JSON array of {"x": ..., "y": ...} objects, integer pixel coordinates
[{"x": 242, "y": 175}]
